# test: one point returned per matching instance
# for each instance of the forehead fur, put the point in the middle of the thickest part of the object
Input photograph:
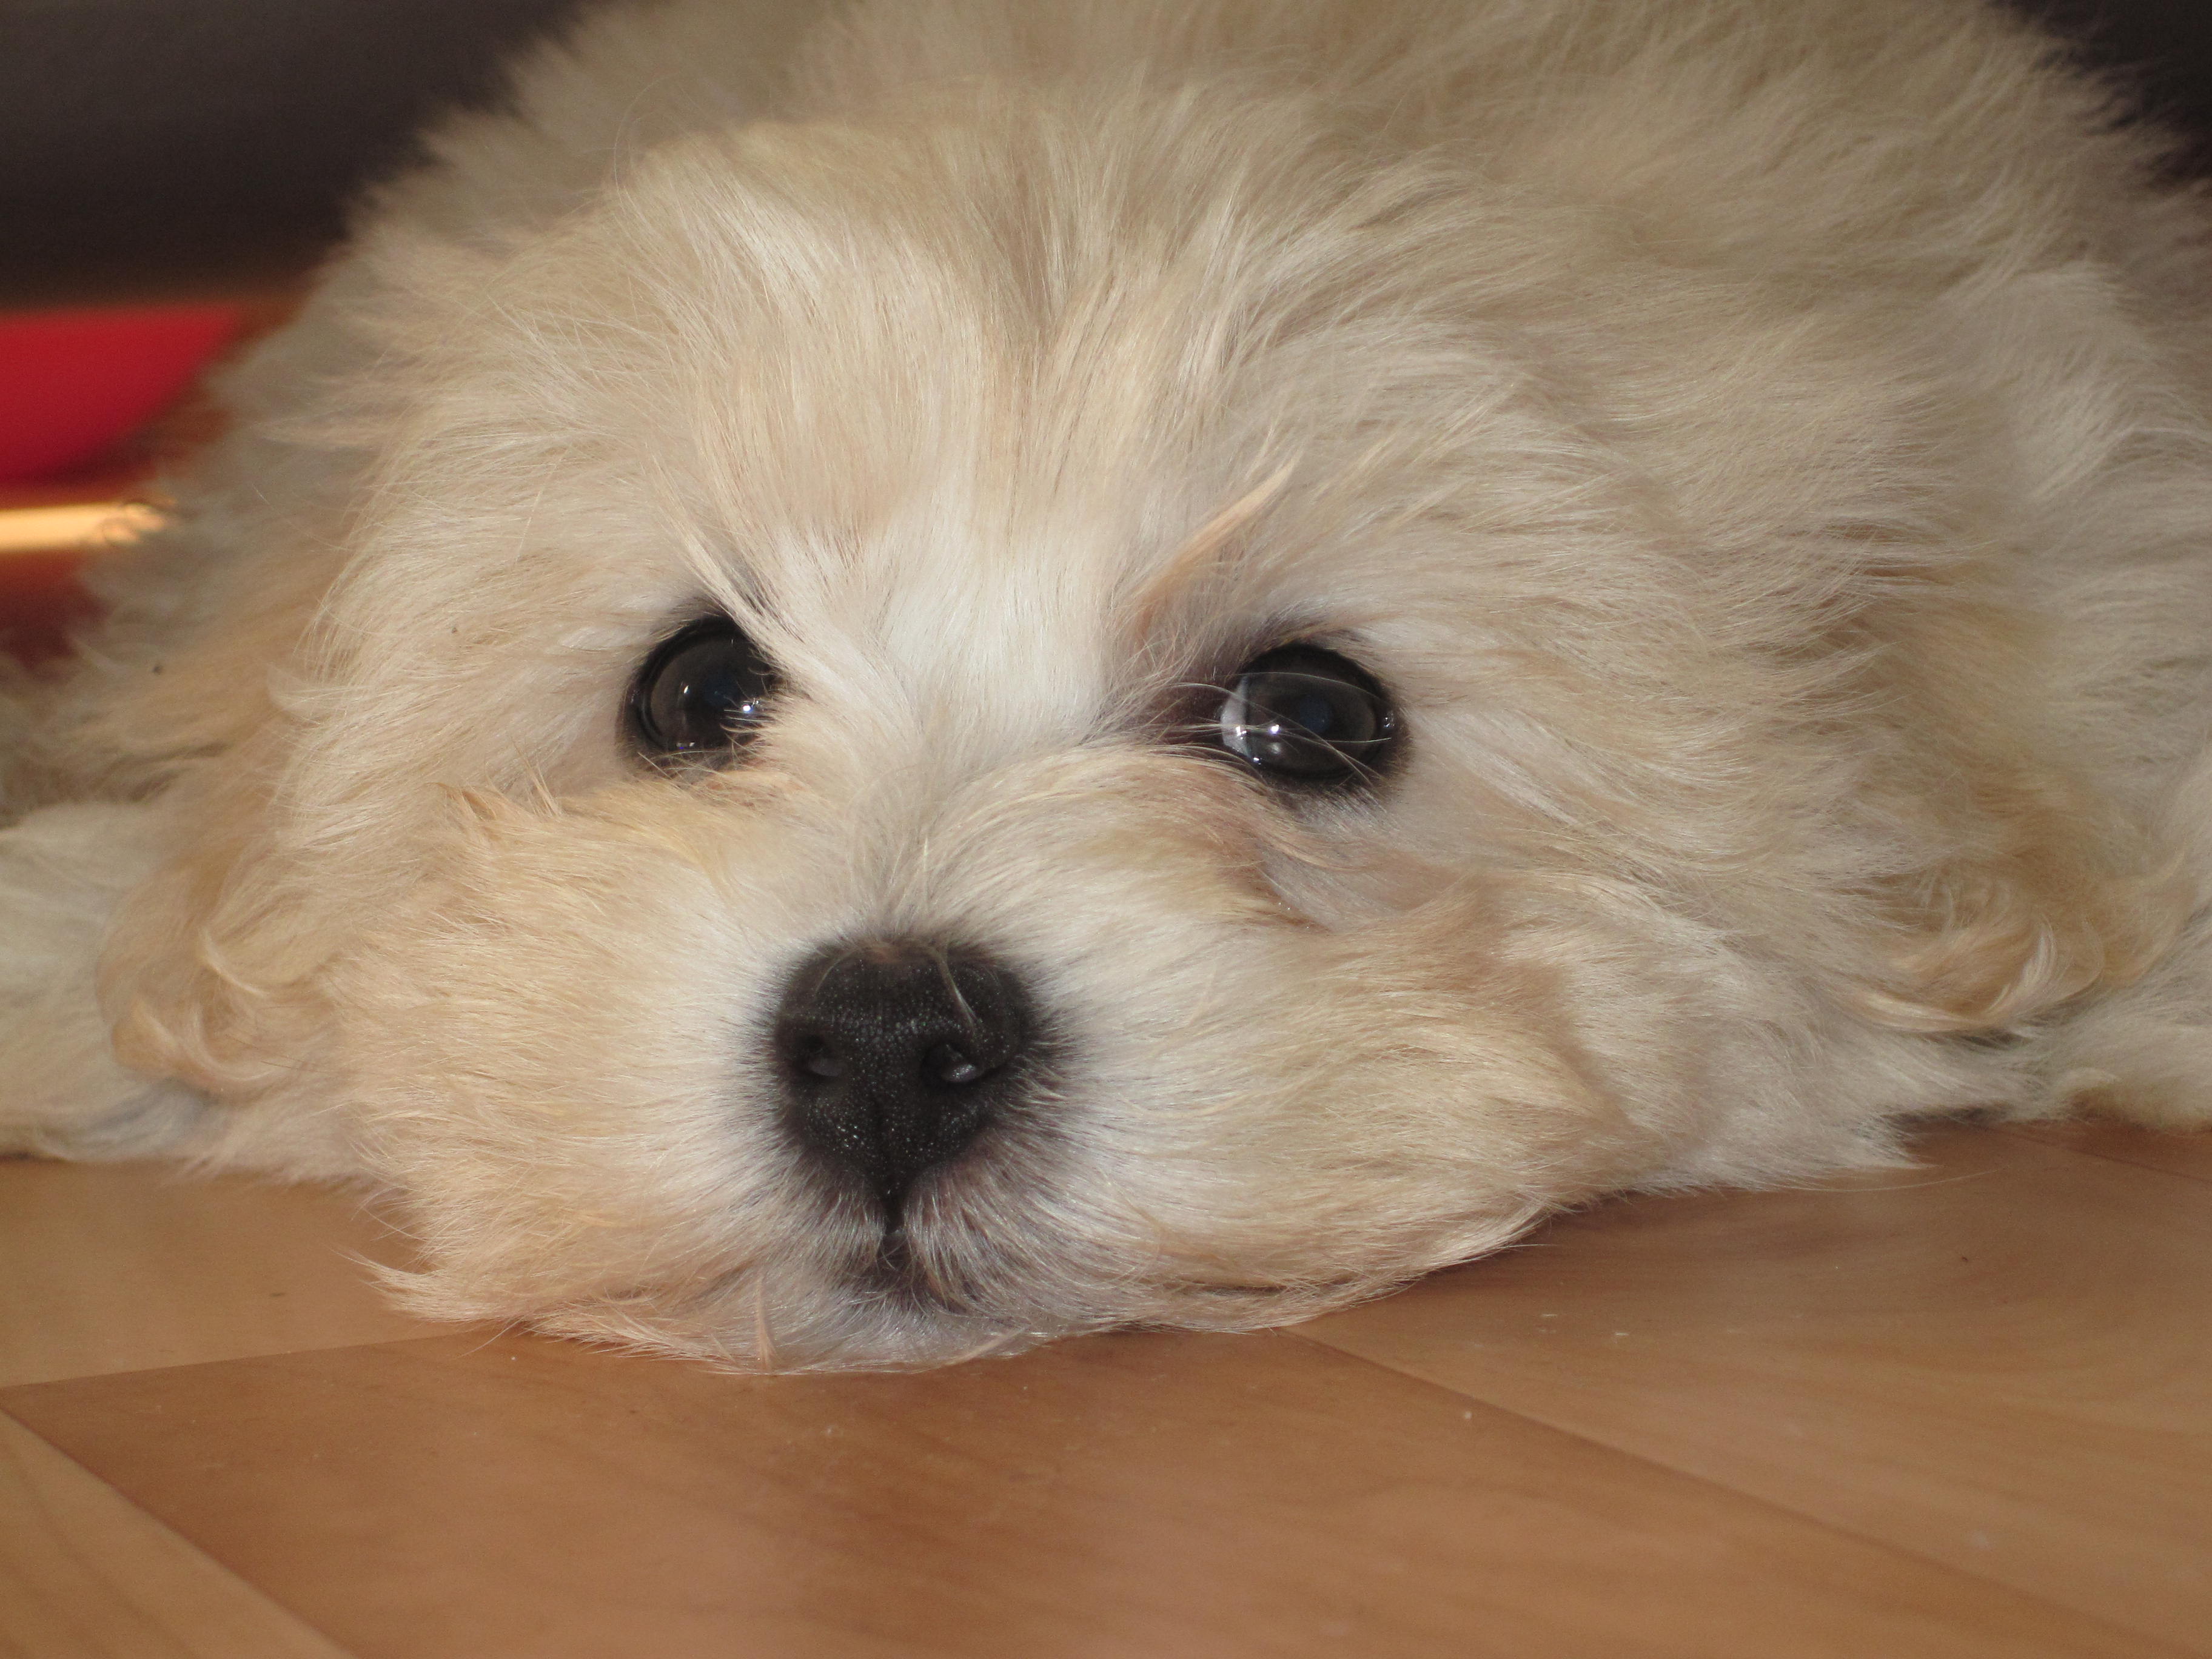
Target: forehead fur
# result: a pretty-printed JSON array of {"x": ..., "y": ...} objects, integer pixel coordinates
[
  {"x": 992, "y": 318},
  {"x": 939, "y": 402},
  {"x": 1123, "y": 408}
]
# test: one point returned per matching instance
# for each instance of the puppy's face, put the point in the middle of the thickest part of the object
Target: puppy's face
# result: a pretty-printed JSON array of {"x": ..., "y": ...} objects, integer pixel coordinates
[{"x": 994, "y": 734}]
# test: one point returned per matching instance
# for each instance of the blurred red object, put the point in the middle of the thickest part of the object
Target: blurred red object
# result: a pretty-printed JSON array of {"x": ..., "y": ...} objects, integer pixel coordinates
[{"x": 73, "y": 383}]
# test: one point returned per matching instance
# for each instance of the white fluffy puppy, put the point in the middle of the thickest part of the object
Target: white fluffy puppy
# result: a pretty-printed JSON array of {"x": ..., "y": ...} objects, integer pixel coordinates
[{"x": 867, "y": 687}]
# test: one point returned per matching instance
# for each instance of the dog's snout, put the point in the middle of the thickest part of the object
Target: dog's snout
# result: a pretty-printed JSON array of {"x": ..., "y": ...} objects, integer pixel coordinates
[{"x": 896, "y": 1053}]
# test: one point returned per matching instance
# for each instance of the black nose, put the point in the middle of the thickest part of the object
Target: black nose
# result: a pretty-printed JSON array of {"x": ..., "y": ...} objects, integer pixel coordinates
[{"x": 896, "y": 1053}]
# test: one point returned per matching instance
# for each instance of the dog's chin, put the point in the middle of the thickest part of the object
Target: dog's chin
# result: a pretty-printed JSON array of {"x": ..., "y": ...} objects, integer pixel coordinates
[
  {"x": 864, "y": 1290},
  {"x": 951, "y": 1269}
]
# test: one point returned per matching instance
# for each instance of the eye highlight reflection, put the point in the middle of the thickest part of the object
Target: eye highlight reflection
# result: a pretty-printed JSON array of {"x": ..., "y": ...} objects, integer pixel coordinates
[
  {"x": 703, "y": 693},
  {"x": 1300, "y": 714}
]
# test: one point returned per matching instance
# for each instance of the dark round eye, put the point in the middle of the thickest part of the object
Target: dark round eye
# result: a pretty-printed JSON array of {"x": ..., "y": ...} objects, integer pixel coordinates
[
  {"x": 703, "y": 692},
  {"x": 1307, "y": 715}
]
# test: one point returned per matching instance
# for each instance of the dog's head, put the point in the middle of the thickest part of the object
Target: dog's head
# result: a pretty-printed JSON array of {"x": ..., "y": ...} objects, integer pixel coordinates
[{"x": 1022, "y": 719}]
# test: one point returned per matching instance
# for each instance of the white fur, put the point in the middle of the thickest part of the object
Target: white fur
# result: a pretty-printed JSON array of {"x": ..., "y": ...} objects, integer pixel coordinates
[{"x": 1763, "y": 447}]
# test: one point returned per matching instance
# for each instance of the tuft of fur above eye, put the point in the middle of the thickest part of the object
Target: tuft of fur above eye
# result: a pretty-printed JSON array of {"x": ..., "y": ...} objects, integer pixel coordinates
[
  {"x": 1302, "y": 715},
  {"x": 703, "y": 692}
]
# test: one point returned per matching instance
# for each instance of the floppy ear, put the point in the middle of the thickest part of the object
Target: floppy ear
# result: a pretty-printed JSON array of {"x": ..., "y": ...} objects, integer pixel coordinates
[
  {"x": 2035, "y": 888},
  {"x": 63, "y": 870},
  {"x": 208, "y": 971},
  {"x": 178, "y": 708},
  {"x": 2045, "y": 898},
  {"x": 2038, "y": 890}
]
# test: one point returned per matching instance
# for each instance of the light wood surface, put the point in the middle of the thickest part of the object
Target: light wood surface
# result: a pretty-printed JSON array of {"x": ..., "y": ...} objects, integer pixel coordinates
[
  {"x": 2005, "y": 1363},
  {"x": 1139, "y": 1494},
  {"x": 108, "y": 1268},
  {"x": 86, "y": 1574},
  {"x": 1957, "y": 1410}
]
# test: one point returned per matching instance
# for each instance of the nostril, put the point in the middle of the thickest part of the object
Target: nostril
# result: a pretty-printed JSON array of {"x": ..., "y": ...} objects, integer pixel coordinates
[
  {"x": 897, "y": 1054},
  {"x": 946, "y": 1064},
  {"x": 816, "y": 1059}
]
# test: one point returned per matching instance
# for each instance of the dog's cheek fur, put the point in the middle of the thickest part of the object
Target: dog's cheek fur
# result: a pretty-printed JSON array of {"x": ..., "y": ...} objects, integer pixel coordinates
[
  {"x": 547, "y": 1047},
  {"x": 557, "y": 1047}
]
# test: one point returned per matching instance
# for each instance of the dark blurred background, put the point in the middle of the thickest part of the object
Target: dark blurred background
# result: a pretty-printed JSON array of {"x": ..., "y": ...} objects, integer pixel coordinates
[
  {"x": 156, "y": 140},
  {"x": 2159, "y": 50}
]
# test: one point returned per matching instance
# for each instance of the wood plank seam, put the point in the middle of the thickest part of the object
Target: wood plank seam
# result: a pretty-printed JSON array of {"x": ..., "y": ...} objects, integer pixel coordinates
[
  {"x": 1892, "y": 1545},
  {"x": 89, "y": 1574},
  {"x": 2024, "y": 1131}
]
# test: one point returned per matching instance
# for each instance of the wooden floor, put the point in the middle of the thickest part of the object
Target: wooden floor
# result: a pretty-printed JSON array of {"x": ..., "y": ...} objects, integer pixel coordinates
[{"x": 1965, "y": 1410}]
